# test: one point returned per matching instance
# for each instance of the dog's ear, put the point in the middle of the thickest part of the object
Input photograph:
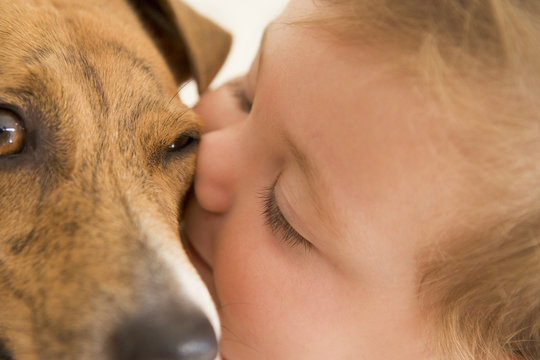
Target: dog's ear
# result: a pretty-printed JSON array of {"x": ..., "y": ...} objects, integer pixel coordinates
[{"x": 192, "y": 44}]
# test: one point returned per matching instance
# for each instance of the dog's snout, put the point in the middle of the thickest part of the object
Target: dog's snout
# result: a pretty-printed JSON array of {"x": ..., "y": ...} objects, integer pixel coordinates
[{"x": 166, "y": 335}]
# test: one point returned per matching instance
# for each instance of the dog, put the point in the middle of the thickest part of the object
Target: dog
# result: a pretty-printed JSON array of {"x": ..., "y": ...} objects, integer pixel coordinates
[{"x": 96, "y": 155}]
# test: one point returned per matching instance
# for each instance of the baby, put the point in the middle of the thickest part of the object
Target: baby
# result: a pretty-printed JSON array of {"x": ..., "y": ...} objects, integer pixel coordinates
[{"x": 371, "y": 188}]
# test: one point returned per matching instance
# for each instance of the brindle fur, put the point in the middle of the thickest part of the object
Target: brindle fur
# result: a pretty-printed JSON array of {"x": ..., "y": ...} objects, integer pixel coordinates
[{"x": 91, "y": 204}]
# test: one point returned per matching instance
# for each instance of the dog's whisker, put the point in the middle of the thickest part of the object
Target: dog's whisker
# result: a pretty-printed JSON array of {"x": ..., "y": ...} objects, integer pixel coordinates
[
  {"x": 236, "y": 339},
  {"x": 228, "y": 305},
  {"x": 176, "y": 95},
  {"x": 228, "y": 330}
]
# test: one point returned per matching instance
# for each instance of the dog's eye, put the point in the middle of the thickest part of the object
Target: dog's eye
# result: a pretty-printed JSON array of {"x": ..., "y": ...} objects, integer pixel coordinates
[
  {"x": 184, "y": 142},
  {"x": 12, "y": 133}
]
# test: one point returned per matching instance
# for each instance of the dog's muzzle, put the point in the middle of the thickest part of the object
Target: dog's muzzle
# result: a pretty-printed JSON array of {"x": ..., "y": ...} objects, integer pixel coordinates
[{"x": 167, "y": 334}]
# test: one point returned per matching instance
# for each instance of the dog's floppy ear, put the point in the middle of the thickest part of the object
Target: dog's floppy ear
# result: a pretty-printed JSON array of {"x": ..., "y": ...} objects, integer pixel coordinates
[{"x": 192, "y": 44}]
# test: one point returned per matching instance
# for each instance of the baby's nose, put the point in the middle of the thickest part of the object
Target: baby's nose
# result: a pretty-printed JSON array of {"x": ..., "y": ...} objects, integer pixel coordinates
[{"x": 219, "y": 164}]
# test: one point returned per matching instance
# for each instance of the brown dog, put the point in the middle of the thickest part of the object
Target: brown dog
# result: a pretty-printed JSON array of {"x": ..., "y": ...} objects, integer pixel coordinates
[{"x": 96, "y": 155}]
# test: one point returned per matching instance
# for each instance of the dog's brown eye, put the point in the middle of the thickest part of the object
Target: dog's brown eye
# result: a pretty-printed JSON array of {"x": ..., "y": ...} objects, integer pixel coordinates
[
  {"x": 184, "y": 142},
  {"x": 12, "y": 133}
]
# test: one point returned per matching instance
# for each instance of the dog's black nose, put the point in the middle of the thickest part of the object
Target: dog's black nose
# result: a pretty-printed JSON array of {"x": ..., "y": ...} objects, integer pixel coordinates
[{"x": 165, "y": 335}]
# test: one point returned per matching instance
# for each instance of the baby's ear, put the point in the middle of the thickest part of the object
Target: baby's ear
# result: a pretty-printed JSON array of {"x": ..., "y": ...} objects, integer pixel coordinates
[{"x": 193, "y": 45}]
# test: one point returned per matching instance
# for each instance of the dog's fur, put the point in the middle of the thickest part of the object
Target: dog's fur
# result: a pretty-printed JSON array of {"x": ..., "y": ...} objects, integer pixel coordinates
[{"x": 90, "y": 254}]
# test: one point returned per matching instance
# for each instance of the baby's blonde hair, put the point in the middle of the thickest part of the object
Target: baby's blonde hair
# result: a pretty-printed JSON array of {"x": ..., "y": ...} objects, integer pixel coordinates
[{"x": 481, "y": 60}]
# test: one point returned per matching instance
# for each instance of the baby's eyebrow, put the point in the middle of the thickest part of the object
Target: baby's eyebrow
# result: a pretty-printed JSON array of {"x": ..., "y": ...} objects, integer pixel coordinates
[
  {"x": 303, "y": 161},
  {"x": 312, "y": 174}
]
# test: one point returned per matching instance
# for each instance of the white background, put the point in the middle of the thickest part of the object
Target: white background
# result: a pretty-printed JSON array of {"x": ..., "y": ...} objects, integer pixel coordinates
[{"x": 245, "y": 20}]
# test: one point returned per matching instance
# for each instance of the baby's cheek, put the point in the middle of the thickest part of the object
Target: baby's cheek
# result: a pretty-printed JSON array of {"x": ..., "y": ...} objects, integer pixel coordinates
[
  {"x": 258, "y": 297},
  {"x": 243, "y": 273},
  {"x": 277, "y": 300}
]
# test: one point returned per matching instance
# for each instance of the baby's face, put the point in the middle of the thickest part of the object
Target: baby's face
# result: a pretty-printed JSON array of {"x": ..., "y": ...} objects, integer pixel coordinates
[{"x": 312, "y": 205}]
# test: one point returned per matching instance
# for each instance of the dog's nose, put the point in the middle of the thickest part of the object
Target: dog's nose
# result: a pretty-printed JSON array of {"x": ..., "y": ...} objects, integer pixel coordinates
[{"x": 165, "y": 335}]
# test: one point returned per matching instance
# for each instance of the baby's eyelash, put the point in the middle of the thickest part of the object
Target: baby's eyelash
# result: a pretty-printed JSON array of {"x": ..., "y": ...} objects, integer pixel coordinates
[
  {"x": 277, "y": 222},
  {"x": 239, "y": 92}
]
